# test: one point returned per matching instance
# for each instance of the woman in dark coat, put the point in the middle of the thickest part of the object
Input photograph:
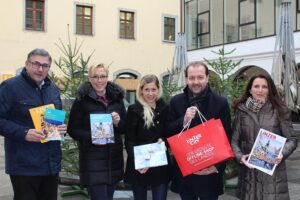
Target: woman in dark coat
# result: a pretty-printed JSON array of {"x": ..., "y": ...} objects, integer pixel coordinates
[
  {"x": 101, "y": 166},
  {"x": 145, "y": 125},
  {"x": 261, "y": 107}
]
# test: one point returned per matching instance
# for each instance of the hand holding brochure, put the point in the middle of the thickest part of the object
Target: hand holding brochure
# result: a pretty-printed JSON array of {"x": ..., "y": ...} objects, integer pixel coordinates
[
  {"x": 102, "y": 129},
  {"x": 267, "y": 147},
  {"x": 52, "y": 119},
  {"x": 150, "y": 155}
]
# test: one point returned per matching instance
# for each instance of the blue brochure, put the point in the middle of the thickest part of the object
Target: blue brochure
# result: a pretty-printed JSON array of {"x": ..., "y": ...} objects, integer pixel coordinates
[
  {"x": 52, "y": 119},
  {"x": 102, "y": 129}
]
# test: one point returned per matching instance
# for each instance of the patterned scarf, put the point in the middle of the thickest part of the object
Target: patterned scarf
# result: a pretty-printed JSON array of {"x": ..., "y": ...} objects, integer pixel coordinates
[{"x": 254, "y": 105}]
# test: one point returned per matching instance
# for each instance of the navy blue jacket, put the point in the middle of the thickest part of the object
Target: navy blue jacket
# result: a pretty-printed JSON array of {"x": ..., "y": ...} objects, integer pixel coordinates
[
  {"x": 17, "y": 96},
  {"x": 211, "y": 106}
]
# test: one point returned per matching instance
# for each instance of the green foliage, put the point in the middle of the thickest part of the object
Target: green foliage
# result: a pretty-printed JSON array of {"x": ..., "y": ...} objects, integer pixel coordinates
[
  {"x": 221, "y": 82},
  {"x": 171, "y": 87},
  {"x": 74, "y": 68}
]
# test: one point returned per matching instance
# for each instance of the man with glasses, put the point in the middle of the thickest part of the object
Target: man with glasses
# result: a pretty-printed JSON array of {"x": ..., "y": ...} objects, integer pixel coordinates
[{"x": 33, "y": 166}]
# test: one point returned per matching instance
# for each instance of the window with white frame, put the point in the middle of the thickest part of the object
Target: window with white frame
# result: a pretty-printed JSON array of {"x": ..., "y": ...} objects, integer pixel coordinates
[
  {"x": 84, "y": 20},
  {"x": 127, "y": 22},
  {"x": 35, "y": 15}
]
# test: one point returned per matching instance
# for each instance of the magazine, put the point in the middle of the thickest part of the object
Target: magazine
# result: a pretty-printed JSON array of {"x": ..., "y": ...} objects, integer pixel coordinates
[
  {"x": 267, "y": 147},
  {"x": 150, "y": 155},
  {"x": 52, "y": 119},
  {"x": 102, "y": 129},
  {"x": 37, "y": 115}
]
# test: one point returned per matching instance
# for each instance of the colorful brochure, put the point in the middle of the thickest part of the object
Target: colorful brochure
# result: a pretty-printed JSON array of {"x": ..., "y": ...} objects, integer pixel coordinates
[
  {"x": 266, "y": 149},
  {"x": 52, "y": 119},
  {"x": 150, "y": 155},
  {"x": 37, "y": 115},
  {"x": 102, "y": 129}
]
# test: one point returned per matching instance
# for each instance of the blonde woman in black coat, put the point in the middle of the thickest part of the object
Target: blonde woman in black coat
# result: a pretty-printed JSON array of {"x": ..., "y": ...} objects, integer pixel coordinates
[
  {"x": 146, "y": 124},
  {"x": 101, "y": 166}
]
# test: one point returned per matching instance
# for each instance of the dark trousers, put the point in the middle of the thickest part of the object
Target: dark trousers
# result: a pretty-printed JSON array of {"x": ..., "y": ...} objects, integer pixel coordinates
[
  {"x": 34, "y": 187},
  {"x": 101, "y": 192},
  {"x": 159, "y": 192},
  {"x": 192, "y": 197}
]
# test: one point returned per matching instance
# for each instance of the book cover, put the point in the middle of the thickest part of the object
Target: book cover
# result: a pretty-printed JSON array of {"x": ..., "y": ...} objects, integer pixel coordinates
[
  {"x": 52, "y": 119},
  {"x": 37, "y": 115},
  {"x": 266, "y": 149},
  {"x": 102, "y": 129},
  {"x": 150, "y": 155}
]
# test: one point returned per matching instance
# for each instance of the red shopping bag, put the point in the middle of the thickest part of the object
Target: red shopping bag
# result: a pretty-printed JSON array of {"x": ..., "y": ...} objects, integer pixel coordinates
[{"x": 200, "y": 147}]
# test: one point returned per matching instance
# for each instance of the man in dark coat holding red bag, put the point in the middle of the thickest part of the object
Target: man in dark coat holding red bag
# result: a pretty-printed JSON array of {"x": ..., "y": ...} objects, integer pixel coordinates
[{"x": 206, "y": 184}]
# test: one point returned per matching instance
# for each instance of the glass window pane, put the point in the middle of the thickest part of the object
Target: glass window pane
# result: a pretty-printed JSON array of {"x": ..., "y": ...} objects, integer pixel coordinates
[
  {"x": 203, "y": 5},
  {"x": 39, "y": 5},
  {"x": 169, "y": 29},
  {"x": 203, "y": 23},
  {"x": 191, "y": 24},
  {"x": 122, "y": 15},
  {"x": 231, "y": 21},
  {"x": 87, "y": 11},
  {"x": 298, "y": 21},
  {"x": 247, "y": 32},
  {"x": 129, "y": 16},
  {"x": 29, "y": 4},
  {"x": 203, "y": 41},
  {"x": 216, "y": 22},
  {"x": 39, "y": 15},
  {"x": 247, "y": 11},
  {"x": 265, "y": 18},
  {"x": 79, "y": 10}
]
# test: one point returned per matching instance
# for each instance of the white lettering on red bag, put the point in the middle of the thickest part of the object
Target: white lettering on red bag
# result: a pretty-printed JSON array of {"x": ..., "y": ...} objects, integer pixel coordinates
[{"x": 194, "y": 140}]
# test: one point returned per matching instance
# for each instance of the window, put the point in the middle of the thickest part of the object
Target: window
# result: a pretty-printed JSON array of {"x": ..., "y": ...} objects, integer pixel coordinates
[
  {"x": 34, "y": 15},
  {"x": 84, "y": 20},
  {"x": 126, "y": 25},
  {"x": 169, "y": 29}
]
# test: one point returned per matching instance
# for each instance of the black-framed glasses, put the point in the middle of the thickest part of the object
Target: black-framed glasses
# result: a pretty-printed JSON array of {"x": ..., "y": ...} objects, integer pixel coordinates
[
  {"x": 97, "y": 78},
  {"x": 37, "y": 64}
]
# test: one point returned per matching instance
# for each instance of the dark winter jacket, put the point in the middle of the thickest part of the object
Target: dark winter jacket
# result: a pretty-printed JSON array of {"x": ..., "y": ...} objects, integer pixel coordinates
[
  {"x": 254, "y": 184},
  {"x": 99, "y": 164},
  {"x": 138, "y": 134},
  {"x": 211, "y": 106},
  {"x": 17, "y": 96}
]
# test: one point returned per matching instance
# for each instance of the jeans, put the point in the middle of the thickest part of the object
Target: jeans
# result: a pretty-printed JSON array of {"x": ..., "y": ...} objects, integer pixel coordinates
[
  {"x": 34, "y": 187},
  {"x": 159, "y": 192},
  {"x": 192, "y": 197},
  {"x": 101, "y": 192}
]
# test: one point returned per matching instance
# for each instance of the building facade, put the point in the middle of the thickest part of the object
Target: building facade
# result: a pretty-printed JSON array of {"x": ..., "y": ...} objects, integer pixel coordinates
[
  {"x": 134, "y": 37},
  {"x": 248, "y": 26}
]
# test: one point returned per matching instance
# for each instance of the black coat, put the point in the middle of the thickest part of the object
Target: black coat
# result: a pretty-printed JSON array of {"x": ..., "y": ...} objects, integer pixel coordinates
[
  {"x": 99, "y": 164},
  {"x": 211, "y": 106},
  {"x": 138, "y": 134}
]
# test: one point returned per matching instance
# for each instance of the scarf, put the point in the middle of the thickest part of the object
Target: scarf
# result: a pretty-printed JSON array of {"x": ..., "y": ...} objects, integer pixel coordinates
[{"x": 254, "y": 105}]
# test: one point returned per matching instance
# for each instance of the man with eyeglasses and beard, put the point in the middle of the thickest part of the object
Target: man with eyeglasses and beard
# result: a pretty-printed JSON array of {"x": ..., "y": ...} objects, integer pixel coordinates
[{"x": 33, "y": 166}]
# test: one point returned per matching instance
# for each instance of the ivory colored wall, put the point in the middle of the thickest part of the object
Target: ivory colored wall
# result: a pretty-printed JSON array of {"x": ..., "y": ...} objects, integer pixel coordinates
[{"x": 147, "y": 53}]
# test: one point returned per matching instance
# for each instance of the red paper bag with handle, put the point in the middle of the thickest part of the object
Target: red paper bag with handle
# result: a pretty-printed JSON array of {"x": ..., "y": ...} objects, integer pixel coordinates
[{"x": 200, "y": 147}]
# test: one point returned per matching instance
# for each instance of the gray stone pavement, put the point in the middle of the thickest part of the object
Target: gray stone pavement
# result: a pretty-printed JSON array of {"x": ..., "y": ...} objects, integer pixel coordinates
[{"x": 293, "y": 170}]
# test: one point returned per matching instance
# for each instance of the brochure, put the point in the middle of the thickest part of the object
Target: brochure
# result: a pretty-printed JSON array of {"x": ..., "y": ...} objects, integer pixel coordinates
[
  {"x": 102, "y": 129},
  {"x": 150, "y": 155},
  {"x": 266, "y": 149},
  {"x": 37, "y": 115},
  {"x": 52, "y": 119}
]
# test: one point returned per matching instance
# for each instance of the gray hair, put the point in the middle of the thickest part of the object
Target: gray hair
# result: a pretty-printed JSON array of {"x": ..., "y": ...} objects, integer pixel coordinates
[{"x": 39, "y": 52}]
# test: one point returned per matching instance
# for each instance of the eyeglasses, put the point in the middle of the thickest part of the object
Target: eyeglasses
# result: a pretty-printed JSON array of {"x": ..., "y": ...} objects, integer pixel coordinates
[
  {"x": 37, "y": 65},
  {"x": 97, "y": 78}
]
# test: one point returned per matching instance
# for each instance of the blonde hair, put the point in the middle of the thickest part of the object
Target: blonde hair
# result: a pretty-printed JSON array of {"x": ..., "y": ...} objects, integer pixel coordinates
[
  {"x": 94, "y": 67},
  {"x": 148, "y": 113}
]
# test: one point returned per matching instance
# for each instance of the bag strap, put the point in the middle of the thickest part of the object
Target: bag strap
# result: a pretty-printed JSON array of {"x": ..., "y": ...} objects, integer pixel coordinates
[{"x": 187, "y": 125}]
